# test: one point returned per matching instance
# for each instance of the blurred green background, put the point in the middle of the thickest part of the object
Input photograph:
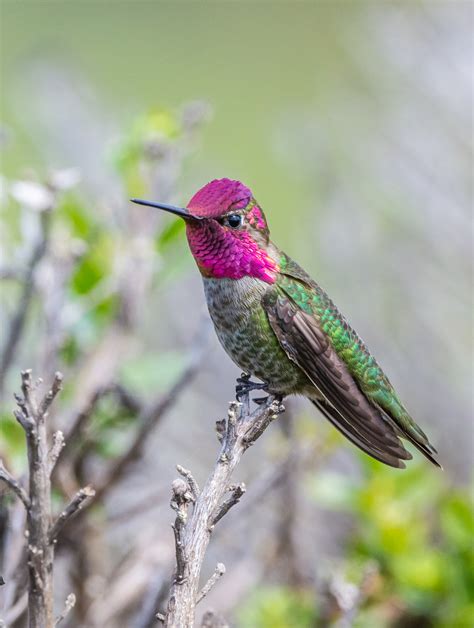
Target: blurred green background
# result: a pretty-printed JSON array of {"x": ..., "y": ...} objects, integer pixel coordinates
[{"x": 352, "y": 124}]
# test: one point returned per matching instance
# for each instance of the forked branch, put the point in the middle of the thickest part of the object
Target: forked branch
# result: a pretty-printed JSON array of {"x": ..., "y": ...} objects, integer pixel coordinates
[
  {"x": 192, "y": 532},
  {"x": 41, "y": 534}
]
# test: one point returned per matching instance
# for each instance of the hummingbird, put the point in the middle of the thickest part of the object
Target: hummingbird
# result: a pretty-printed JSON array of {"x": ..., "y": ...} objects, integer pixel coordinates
[{"x": 278, "y": 325}]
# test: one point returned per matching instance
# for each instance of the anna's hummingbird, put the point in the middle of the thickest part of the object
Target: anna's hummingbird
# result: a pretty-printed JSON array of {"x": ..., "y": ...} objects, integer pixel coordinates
[{"x": 278, "y": 325}]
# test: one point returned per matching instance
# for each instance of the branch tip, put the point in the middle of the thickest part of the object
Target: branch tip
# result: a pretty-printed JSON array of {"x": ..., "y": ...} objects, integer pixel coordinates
[
  {"x": 51, "y": 394},
  {"x": 10, "y": 481},
  {"x": 218, "y": 573},
  {"x": 70, "y": 511},
  {"x": 192, "y": 484},
  {"x": 56, "y": 448},
  {"x": 68, "y": 606}
]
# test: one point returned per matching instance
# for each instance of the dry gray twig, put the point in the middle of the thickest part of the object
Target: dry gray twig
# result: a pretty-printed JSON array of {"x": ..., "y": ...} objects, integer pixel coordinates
[
  {"x": 180, "y": 500},
  {"x": 10, "y": 481},
  {"x": 192, "y": 484},
  {"x": 68, "y": 606},
  {"x": 40, "y": 533},
  {"x": 40, "y": 552},
  {"x": 56, "y": 448},
  {"x": 218, "y": 573},
  {"x": 236, "y": 493},
  {"x": 74, "y": 506},
  {"x": 241, "y": 430}
]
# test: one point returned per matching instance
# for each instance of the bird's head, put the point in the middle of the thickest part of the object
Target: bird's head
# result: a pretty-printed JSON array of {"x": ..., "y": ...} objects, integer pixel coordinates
[{"x": 227, "y": 231}]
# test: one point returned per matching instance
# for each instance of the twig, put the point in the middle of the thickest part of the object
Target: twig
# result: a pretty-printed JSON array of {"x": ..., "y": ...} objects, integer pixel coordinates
[
  {"x": 31, "y": 416},
  {"x": 237, "y": 492},
  {"x": 241, "y": 430},
  {"x": 6, "y": 477},
  {"x": 28, "y": 404},
  {"x": 218, "y": 572},
  {"x": 192, "y": 484},
  {"x": 50, "y": 395},
  {"x": 70, "y": 511},
  {"x": 180, "y": 500},
  {"x": 15, "y": 328},
  {"x": 53, "y": 455},
  {"x": 68, "y": 606},
  {"x": 40, "y": 534}
]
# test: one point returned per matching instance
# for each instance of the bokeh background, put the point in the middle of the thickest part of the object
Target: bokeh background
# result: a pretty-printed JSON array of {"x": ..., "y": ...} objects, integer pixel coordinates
[{"x": 352, "y": 124}]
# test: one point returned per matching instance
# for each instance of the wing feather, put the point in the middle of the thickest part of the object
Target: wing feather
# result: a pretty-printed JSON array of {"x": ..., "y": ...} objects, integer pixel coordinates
[{"x": 344, "y": 403}]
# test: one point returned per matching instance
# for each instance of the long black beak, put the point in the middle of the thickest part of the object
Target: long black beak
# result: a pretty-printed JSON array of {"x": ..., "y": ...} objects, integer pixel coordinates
[{"x": 179, "y": 211}]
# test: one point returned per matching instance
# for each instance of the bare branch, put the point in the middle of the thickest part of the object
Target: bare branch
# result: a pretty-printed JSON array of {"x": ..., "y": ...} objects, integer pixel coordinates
[
  {"x": 180, "y": 500},
  {"x": 218, "y": 572},
  {"x": 192, "y": 484},
  {"x": 26, "y": 422},
  {"x": 40, "y": 552},
  {"x": 68, "y": 606},
  {"x": 70, "y": 511},
  {"x": 241, "y": 429},
  {"x": 10, "y": 481},
  {"x": 29, "y": 404},
  {"x": 51, "y": 394},
  {"x": 236, "y": 493}
]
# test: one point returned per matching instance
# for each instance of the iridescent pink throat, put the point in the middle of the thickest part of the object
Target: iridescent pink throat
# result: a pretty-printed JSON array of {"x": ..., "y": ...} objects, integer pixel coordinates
[{"x": 220, "y": 253}]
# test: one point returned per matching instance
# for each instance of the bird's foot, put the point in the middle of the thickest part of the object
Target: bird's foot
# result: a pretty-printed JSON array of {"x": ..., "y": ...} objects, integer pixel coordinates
[{"x": 245, "y": 386}]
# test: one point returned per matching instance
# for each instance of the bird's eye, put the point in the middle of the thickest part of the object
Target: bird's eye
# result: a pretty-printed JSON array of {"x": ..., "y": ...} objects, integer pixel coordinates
[{"x": 233, "y": 220}]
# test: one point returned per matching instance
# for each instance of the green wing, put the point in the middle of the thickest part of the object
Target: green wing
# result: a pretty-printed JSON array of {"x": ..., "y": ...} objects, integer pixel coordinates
[{"x": 357, "y": 396}]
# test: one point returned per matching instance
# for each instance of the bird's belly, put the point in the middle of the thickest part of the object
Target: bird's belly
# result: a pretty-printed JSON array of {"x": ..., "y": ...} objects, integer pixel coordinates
[{"x": 245, "y": 333}]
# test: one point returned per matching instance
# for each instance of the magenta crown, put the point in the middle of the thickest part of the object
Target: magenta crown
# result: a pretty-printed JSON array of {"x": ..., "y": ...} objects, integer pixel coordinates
[{"x": 218, "y": 197}]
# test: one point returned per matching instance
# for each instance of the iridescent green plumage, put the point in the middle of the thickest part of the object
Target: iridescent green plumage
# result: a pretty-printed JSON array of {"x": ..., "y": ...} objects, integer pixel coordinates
[
  {"x": 356, "y": 394},
  {"x": 322, "y": 359}
]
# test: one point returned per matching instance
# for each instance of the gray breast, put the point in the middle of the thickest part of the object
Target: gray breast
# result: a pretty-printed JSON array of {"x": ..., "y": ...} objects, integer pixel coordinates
[
  {"x": 232, "y": 301},
  {"x": 245, "y": 333}
]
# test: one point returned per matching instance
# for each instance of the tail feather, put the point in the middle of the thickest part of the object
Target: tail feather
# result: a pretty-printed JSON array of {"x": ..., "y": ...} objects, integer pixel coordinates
[{"x": 391, "y": 452}]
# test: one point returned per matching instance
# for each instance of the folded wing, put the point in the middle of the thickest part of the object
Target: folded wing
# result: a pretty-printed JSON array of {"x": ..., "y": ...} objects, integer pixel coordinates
[{"x": 341, "y": 401}]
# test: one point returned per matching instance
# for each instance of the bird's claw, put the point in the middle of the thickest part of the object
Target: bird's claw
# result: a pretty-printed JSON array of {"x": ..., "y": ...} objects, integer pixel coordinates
[
  {"x": 244, "y": 378},
  {"x": 246, "y": 386}
]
